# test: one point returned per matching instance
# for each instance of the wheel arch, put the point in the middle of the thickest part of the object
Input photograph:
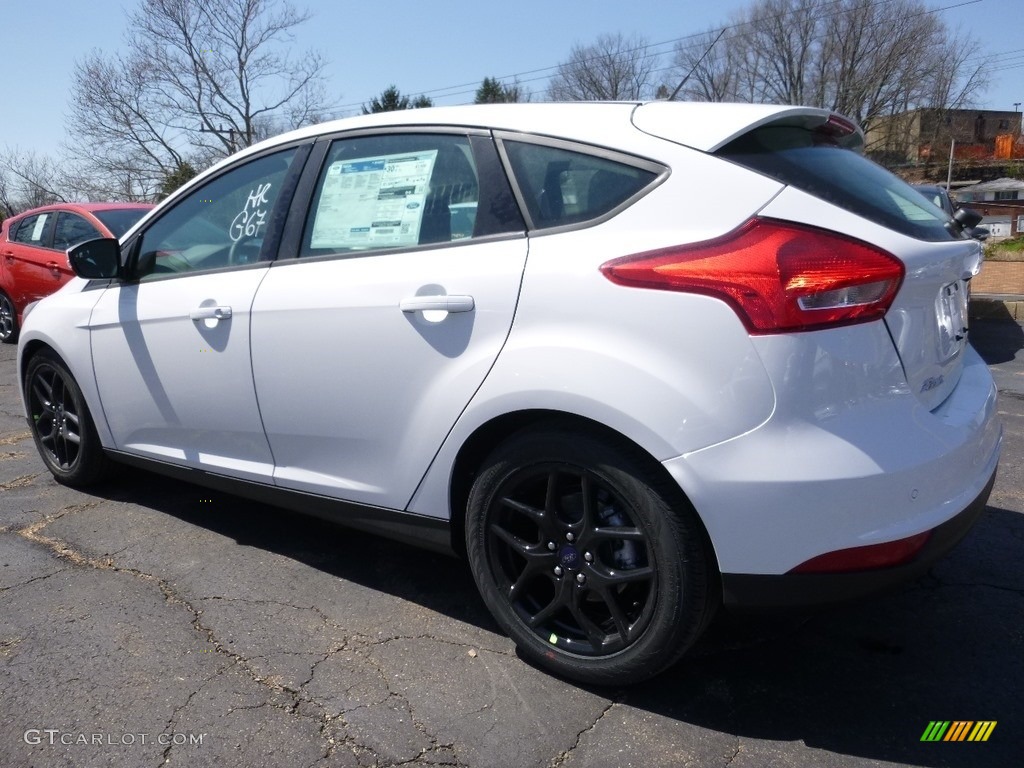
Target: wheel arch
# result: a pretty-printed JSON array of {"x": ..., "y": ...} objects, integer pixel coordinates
[
  {"x": 27, "y": 351},
  {"x": 78, "y": 361},
  {"x": 485, "y": 438}
]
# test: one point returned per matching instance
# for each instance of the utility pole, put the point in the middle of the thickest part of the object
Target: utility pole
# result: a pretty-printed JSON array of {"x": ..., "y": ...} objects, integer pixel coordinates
[
  {"x": 949, "y": 173},
  {"x": 220, "y": 132}
]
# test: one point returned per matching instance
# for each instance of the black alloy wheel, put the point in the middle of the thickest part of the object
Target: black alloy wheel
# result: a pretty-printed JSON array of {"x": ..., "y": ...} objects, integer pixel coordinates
[
  {"x": 575, "y": 567},
  {"x": 61, "y": 424},
  {"x": 8, "y": 320},
  {"x": 582, "y": 561}
]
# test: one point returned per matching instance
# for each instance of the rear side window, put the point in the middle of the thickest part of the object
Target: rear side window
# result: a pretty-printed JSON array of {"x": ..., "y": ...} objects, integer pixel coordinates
[
  {"x": 813, "y": 163},
  {"x": 561, "y": 186},
  {"x": 32, "y": 231}
]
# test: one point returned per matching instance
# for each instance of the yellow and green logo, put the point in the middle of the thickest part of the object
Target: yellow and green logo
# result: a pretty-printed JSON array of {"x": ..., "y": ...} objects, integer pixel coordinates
[{"x": 958, "y": 730}]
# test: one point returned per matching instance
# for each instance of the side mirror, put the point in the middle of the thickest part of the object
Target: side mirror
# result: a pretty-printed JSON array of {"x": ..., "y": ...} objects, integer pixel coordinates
[
  {"x": 979, "y": 233},
  {"x": 967, "y": 218},
  {"x": 97, "y": 259}
]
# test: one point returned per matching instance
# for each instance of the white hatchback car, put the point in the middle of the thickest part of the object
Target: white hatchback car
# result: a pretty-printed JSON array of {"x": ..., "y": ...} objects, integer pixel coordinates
[{"x": 632, "y": 359}]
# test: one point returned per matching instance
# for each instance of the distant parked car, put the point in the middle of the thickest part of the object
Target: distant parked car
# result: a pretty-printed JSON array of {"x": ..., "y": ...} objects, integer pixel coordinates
[
  {"x": 941, "y": 197},
  {"x": 33, "y": 262}
]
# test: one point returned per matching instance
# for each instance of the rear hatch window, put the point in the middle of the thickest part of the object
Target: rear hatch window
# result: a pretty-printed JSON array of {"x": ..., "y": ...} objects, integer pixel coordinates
[
  {"x": 811, "y": 160},
  {"x": 120, "y": 220}
]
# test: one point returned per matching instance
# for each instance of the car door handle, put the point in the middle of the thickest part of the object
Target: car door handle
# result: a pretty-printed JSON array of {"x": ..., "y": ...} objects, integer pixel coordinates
[
  {"x": 442, "y": 303},
  {"x": 53, "y": 267},
  {"x": 210, "y": 313}
]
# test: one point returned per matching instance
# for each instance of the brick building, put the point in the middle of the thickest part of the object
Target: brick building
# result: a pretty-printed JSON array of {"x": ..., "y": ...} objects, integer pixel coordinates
[{"x": 924, "y": 135}]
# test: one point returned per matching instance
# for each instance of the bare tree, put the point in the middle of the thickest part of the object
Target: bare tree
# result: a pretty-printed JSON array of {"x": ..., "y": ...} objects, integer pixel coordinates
[
  {"x": 954, "y": 79},
  {"x": 614, "y": 67},
  {"x": 29, "y": 179},
  {"x": 198, "y": 79},
  {"x": 785, "y": 29},
  {"x": 864, "y": 58},
  {"x": 710, "y": 67},
  {"x": 8, "y": 205},
  {"x": 885, "y": 58}
]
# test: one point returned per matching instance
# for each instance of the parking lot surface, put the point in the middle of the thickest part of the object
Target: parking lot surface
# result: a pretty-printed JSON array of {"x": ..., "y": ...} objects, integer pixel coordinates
[{"x": 151, "y": 622}]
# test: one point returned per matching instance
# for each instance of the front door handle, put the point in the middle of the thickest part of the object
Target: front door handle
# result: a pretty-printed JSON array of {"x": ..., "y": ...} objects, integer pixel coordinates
[
  {"x": 210, "y": 313},
  {"x": 54, "y": 269},
  {"x": 443, "y": 303}
]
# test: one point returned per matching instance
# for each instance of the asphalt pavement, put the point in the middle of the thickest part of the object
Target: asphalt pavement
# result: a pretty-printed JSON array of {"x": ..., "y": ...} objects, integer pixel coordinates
[{"x": 151, "y": 622}]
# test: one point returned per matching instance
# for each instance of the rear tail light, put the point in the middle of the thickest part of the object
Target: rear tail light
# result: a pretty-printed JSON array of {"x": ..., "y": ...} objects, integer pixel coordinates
[{"x": 778, "y": 276}]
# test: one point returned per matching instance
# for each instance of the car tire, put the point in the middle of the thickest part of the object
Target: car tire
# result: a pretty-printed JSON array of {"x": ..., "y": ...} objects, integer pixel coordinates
[
  {"x": 62, "y": 426},
  {"x": 587, "y": 558},
  {"x": 8, "y": 320}
]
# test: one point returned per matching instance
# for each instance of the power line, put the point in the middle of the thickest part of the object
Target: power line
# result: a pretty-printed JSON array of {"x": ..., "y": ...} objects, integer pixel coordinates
[{"x": 652, "y": 49}]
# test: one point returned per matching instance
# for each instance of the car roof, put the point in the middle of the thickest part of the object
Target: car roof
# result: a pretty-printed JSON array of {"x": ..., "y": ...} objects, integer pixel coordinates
[
  {"x": 701, "y": 125},
  {"x": 87, "y": 207},
  {"x": 705, "y": 126}
]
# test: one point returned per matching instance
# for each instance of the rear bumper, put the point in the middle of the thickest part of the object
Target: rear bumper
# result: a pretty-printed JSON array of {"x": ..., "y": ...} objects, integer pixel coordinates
[
  {"x": 850, "y": 458},
  {"x": 799, "y": 590}
]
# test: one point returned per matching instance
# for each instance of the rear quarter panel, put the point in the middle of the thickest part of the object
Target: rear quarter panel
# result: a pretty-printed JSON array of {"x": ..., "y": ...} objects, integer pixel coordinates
[{"x": 673, "y": 372}]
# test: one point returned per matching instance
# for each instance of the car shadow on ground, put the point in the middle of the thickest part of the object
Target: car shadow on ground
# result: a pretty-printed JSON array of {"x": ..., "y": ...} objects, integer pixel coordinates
[
  {"x": 362, "y": 558},
  {"x": 866, "y": 679},
  {"x": 861, "y": 680},
  {"x": 997, "y": 338}
]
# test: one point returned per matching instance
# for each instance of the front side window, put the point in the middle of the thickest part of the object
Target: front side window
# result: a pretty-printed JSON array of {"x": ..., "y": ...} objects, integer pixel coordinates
[
  {"x": 561, "y": 186},
  {"x": 393, "y": 191},
  {"x": 32, "y": 230},
  {"x": 220, "y": 224},
  {"x": 71, "y": 229}
]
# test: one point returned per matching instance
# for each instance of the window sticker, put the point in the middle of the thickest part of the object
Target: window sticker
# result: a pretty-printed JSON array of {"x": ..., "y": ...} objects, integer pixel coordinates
[
  {"x": 37, "y": 230},
  {"x": 373, "y": 202},
  {"x": 913, "y": 210}
]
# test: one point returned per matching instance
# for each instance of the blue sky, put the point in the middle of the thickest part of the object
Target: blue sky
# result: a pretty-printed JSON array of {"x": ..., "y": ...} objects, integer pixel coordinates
[{"x": 423, "y": 47}]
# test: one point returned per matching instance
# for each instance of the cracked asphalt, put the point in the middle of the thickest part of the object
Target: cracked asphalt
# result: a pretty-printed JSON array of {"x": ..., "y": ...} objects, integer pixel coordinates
[{"x": 151, "y": 622}]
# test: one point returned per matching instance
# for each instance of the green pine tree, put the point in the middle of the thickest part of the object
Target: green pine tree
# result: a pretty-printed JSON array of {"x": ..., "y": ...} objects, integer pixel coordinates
[
  {"x": 392, "y": 100},
  {"x": 184, "y": 172}
]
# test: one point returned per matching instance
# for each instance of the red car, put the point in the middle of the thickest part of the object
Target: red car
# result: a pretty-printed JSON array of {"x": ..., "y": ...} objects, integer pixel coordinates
[{"x": 33, "y": 262}]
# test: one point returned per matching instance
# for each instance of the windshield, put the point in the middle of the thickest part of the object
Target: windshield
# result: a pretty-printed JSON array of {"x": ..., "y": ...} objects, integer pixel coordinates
[
  {"x": 120, "y": 220},
  {"x": 811, "y": 162}
]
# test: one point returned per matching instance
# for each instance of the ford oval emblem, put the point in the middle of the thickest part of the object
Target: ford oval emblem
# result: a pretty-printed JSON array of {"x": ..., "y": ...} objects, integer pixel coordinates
[{"x": 568, "y": 557}]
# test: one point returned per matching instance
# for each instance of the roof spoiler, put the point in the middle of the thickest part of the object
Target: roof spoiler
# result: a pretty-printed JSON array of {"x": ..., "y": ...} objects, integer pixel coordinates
[{"x": 709, "y": 126}]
